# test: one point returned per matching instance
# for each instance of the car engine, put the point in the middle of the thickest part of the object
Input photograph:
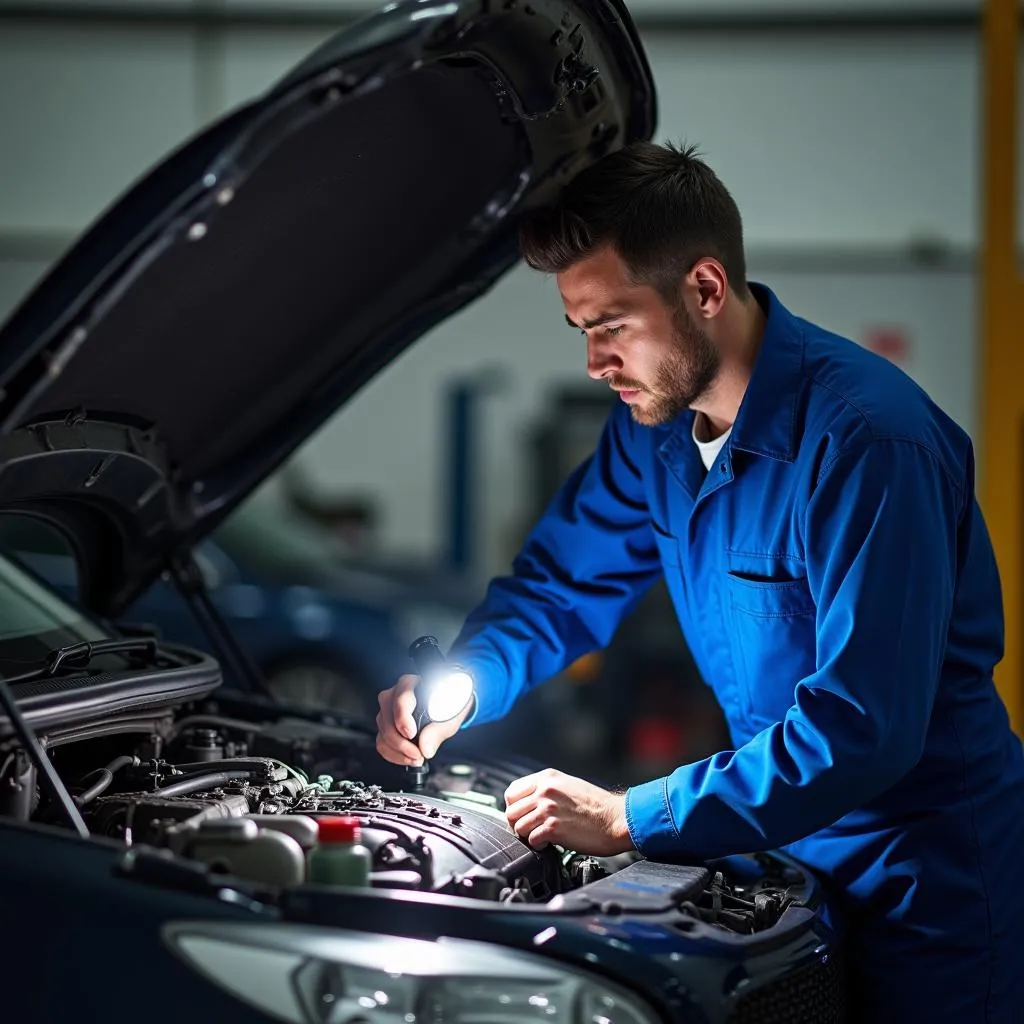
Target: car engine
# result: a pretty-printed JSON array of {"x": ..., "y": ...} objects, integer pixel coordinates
[
  {"x": 246, "y": 815},
  {"x": 242, "y": 798}
]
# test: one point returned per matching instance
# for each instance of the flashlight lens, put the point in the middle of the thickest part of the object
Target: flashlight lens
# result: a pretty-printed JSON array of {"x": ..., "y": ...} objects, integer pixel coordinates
[{"x": 449, "y": 695}]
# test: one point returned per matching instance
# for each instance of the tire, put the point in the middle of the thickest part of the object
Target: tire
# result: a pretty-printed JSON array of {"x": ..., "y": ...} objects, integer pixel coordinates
[{"x": 319, "y": 686}]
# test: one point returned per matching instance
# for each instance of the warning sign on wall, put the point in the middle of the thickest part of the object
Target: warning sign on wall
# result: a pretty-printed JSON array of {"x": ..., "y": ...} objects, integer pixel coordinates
[{"x": 891, "y": 342}]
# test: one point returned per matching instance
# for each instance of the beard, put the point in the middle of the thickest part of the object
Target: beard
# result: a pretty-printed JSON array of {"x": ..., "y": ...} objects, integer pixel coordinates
[{"x": 683, "y": 377}]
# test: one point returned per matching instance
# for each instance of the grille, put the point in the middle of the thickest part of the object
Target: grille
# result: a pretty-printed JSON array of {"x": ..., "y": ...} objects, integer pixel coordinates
[{"x": 808, "y": 995}]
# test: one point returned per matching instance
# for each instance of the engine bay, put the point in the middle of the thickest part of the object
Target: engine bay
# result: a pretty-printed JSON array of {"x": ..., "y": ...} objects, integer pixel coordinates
[
  {"x": 257, "y": 818},
  {"x": 243, "y": 798}
]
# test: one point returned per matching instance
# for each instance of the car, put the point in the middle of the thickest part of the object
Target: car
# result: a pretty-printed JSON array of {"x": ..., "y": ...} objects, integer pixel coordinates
[
  {"x": 322, "y": 628},
  {"x": 155, "y": 825}
]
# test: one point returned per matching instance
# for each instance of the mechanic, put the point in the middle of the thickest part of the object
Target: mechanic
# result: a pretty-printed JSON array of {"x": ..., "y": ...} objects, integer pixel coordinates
[{"x": 813, "y": 515}]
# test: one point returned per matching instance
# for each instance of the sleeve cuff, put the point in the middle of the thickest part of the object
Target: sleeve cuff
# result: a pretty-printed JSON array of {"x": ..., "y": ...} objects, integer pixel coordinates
[
  {"x": 649, "y": 817},
  {"x": 468, "y": 720},
  {"x": 488, "y": 691}
]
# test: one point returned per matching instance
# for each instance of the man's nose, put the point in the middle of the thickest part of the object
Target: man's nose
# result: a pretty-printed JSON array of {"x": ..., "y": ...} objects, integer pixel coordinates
[{"x": 601, "y": 359}]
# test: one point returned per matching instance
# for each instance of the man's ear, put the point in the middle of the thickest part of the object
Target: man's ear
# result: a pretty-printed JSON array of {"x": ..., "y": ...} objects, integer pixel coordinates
[{"x": 710, "y": 283}]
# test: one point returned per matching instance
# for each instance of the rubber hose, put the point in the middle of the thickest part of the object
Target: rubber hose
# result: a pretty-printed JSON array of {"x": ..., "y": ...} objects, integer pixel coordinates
[
  {"x": 198, "y": 782},
  {"x": 106, "y": 777}
]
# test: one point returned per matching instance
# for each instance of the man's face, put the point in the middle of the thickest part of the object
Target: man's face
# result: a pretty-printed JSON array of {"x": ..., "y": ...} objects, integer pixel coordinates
[{"x": 657, "y": 359}]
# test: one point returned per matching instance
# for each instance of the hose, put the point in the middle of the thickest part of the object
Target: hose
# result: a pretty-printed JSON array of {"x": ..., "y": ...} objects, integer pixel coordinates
[
  {"x": 231, "y": 763},
  {"x": 106, "y": 777},
  {"x": 197, "y": 782}
]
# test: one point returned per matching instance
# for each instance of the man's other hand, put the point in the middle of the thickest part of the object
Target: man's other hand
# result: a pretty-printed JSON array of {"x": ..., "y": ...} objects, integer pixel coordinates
[
  {"x": 552, "y": 807},
  {"x": 397, "y": 741}
]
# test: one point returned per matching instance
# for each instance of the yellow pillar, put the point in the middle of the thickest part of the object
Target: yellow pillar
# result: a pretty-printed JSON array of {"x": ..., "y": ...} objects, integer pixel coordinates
[{"x": 1001, "y": 298}]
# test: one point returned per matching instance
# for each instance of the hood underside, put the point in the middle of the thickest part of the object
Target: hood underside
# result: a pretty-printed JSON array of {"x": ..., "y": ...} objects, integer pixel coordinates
[{"x": 234, "y": 298}]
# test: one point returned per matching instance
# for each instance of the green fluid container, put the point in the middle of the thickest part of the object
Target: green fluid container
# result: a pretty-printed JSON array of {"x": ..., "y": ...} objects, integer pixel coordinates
[{"x": 339, "y": 858}]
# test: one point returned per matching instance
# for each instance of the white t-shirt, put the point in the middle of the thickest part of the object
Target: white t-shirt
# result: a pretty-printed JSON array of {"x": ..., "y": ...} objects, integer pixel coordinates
[{"x": 708, "y": 449}]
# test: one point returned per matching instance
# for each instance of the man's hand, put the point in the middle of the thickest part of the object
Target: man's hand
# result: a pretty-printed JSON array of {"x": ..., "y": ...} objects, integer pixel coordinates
[
  {"x": 551, "y": 807},
  {"x": 397, "y": 741}
]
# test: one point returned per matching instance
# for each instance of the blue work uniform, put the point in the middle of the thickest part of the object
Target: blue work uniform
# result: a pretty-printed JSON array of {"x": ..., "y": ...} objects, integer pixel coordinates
[{"x": 836, "y": 585}]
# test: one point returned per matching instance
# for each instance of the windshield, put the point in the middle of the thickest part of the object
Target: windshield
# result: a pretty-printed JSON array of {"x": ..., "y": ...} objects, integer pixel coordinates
[{"x": 35, "y": 620}]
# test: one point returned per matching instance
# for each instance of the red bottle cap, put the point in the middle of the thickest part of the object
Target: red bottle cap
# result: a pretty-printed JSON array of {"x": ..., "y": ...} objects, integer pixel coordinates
[{"x": 338, "y": 830}]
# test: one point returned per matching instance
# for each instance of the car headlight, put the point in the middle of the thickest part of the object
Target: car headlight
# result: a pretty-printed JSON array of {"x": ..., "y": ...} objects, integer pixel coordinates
[{"x": 310, "y": 975}]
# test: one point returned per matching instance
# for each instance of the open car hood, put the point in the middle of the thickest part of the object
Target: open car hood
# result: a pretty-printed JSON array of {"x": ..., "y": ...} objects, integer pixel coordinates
[{"x": 237, "y": 295}]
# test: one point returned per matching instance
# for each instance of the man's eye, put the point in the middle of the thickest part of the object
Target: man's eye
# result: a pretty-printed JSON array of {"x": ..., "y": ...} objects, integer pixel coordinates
[{"x": 617, "y": 329}]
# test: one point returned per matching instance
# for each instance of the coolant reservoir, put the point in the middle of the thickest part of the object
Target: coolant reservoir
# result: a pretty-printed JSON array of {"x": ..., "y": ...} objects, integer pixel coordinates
[
  {"x": 300, "y": 827},
  {"x": 238, "y": 846}
]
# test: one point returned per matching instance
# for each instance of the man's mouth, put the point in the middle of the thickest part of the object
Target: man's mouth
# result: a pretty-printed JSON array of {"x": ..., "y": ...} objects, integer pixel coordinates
[{"x": 628, "y": 394}]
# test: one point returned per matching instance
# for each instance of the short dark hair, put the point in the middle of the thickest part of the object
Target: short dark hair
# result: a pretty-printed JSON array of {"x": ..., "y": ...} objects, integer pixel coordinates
[{"x": 659, "y": 206}]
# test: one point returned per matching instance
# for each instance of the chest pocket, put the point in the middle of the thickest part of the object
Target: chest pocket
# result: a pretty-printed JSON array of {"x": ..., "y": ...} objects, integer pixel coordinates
[{"x": 772, "y": 638}]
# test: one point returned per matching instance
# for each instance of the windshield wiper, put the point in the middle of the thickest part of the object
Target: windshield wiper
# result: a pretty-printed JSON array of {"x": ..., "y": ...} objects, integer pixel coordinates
[
  {"x": 86, "y": 650},
  {"x": 62, "y": 658}
]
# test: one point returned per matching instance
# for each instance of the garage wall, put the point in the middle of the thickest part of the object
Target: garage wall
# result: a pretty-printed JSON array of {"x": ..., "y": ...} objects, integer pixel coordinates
[
  {"x": 852, "y": 138},
  {"x": 847, "y": 152}
]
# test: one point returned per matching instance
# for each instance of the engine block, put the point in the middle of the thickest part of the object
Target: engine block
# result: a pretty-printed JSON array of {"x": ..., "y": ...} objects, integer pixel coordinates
[{"x": 421, "y": 842}]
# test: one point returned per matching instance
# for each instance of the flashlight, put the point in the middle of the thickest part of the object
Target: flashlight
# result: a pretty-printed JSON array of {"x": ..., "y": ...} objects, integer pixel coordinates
[{"x": 443, "y": 692}]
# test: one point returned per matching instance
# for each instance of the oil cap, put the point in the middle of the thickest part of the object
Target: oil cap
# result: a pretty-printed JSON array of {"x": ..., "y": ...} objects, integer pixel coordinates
[{"x": 339, "y": 829}]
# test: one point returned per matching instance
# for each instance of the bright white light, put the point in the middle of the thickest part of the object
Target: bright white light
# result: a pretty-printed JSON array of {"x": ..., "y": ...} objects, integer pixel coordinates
[{"x": 449, "y": 695}]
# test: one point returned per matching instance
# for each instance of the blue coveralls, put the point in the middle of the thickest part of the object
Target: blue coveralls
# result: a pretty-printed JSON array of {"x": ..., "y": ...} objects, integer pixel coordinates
[{"x": 836, "y": 585}]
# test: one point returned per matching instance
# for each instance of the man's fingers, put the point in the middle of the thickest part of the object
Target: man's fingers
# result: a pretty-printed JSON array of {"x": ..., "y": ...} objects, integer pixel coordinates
[
  {"x": 404, "y": 704},
  {"x": 398, "y": 751},
  {"x": 520, "y": 788},
  {"x": 543, "y": 835},
  {"x": 434, "y": 734},
  {"x": 527, "y": 822},
  {"x": 391, "y": 745},
  {"x": 532, "y": 807},
  {"x": 538, "y": 827},
  {"x": 517, "y": 810}
]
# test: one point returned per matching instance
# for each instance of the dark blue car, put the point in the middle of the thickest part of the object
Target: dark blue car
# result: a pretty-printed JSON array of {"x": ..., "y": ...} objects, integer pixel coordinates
[{"x": 155, "y": 824}]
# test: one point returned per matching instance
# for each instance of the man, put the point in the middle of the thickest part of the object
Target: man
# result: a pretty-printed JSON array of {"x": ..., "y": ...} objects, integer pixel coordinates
[{"x": 813, "y": 514}]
